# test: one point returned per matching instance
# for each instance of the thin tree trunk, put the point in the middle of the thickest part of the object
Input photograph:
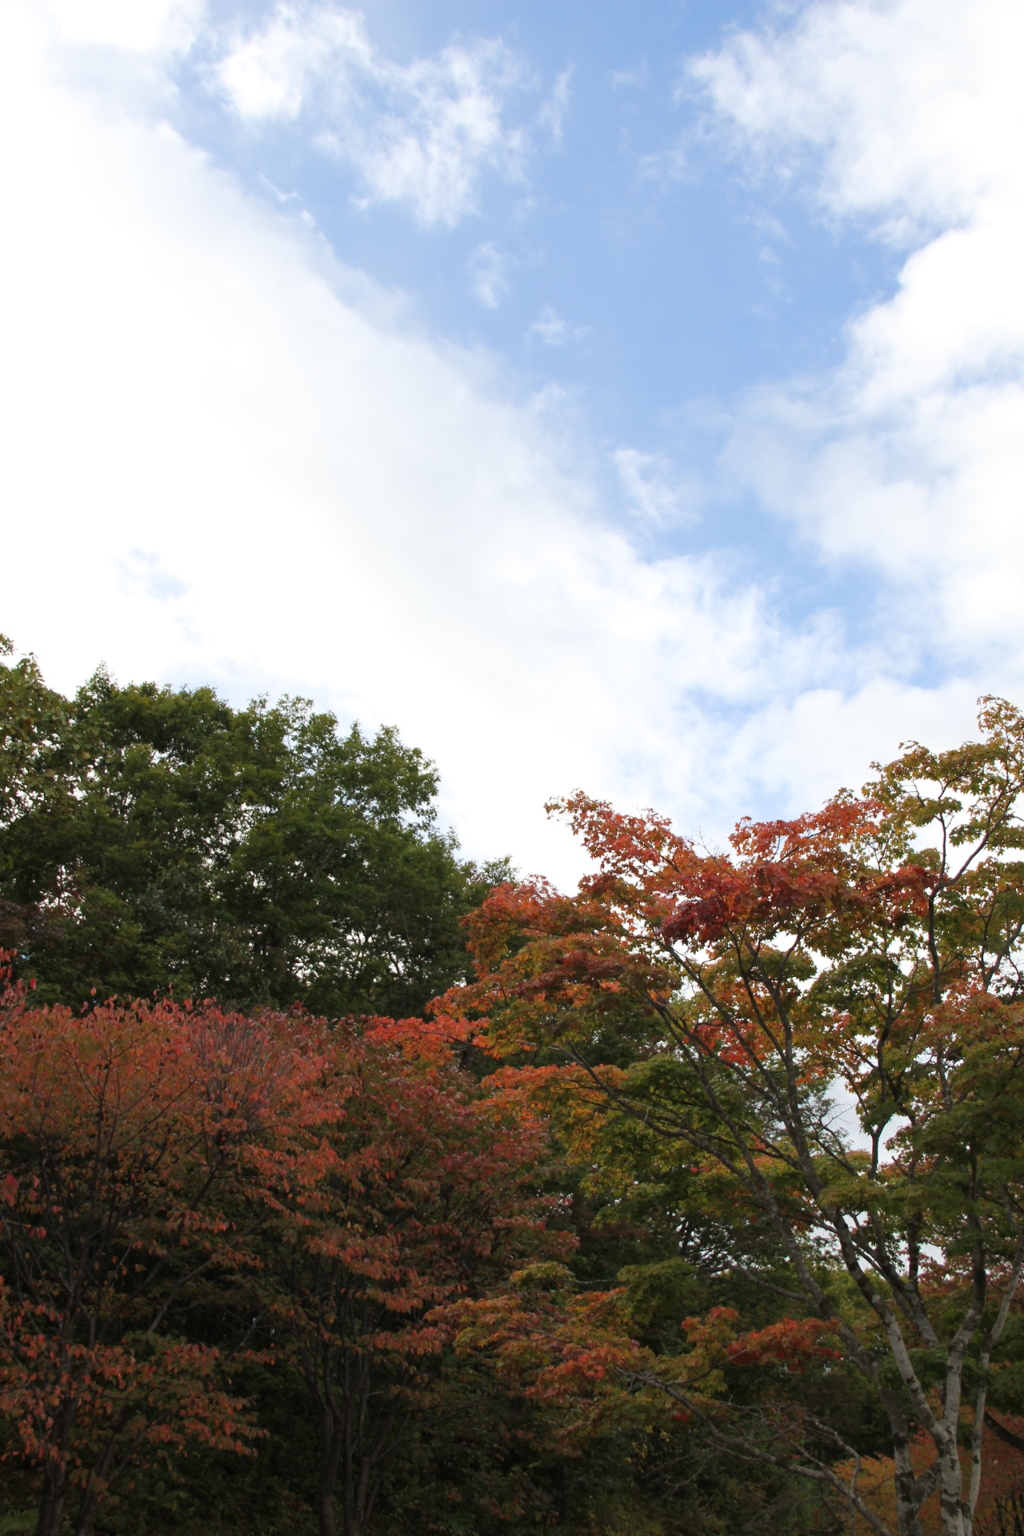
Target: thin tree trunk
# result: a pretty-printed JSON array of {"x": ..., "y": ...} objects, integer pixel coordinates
[
  {"x": 91, "y": 1497},
  {"x": 51, "y": 1503},
  {"x": 325, "y": 1508},
  {"x": 87, "y": 1512},
  {"x": 55, "y": 1474},
  {"x": 331, "y": 1441},
  {"x": 98, "y": 1481}
]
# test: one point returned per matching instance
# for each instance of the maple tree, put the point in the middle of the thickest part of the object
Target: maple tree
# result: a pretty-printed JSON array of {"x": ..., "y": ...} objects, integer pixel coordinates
[
  {"x": 419, "y": 1186},
  {"x": 717, "y": 1001},
  {"x": 573, "y": 1350},
  {"x": 582, "y": 1356},
  {"x": 122, "y": 1130}
]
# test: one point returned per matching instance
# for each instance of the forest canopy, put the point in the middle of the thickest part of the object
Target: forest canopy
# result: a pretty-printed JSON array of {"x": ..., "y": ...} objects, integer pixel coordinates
[
  {"x": 158, "y": 842},
  {"x": 346, "y": 1188}
]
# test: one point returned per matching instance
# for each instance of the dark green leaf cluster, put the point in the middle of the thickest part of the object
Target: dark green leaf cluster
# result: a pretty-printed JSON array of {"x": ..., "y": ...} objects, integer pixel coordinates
[{"x": 156, "y": 841}]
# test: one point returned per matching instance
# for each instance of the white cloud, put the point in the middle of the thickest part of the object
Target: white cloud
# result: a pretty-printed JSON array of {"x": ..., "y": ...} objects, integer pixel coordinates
[
  {"x": 630, "y": 79},
  {"x": 488, "y": 274},
  {"x": 907, "y": 111},
  {"x": 143, "y": 25},
  {"x": 909, "y": 457},
  {"x": 553, "y": 113},
  {"x": 553, "y": 330},
  {"x": 421, "y": 134},
  {"x": 224, "y": 460},
  {"x": 651, "y": 488}
]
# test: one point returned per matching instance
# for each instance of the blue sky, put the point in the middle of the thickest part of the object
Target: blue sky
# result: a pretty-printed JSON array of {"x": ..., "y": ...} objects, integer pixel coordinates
[
  {"x": 626, "y": 396},
  {"x": 627, "y": 258}
]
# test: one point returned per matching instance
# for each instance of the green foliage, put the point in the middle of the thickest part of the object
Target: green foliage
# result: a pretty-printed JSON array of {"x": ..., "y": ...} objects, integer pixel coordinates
[{"x": 156, "y": 841}]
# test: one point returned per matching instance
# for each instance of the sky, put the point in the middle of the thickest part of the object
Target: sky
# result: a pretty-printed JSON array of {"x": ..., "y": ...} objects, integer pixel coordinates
[{"x": 617, "y": 397}]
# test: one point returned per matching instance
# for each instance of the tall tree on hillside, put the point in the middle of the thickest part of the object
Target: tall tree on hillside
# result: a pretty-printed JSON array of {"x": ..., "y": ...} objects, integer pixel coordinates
[
  {"x": 156, "y": 841},
  {"x": 875, "y": 945}
]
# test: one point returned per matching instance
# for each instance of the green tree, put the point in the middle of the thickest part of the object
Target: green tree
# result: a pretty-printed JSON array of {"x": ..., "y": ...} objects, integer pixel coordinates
[{"x": 156, "y": 841}]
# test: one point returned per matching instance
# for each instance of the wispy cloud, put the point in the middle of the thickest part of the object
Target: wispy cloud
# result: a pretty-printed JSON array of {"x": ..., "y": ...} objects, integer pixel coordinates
[
  {"x": 421, "y": 134},
  {"x": 553, "y": 113},
  {"x": 143, "y": 572},
  {"x": 652, "y": 490},
  {"x": 489, "y": 274},
  {"x": 906, "y": 113},
  {"x": 630, "y": 79},
  {"x": 909, "y": 456},
  {"x": 553, "y": 330}
]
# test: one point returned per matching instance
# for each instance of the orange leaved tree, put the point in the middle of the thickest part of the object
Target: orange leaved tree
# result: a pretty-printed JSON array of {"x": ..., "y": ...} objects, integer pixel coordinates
[
  {"x": 418, "y": 1187},
  {"x": 123, "y": 1132},
  {"x": 574, "y": 1353},
  {"x": 872, "y": 950}
]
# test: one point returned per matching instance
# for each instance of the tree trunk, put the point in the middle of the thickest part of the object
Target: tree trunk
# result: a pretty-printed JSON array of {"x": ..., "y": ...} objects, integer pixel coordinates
[
  {"x": 328, "y": 1524},
  {"x": 953, "y": 1523},
  {"x": 331, "y": 1441},
  {"x": 908, "y": 1517},
  {"x": 87, "y": 1511},
  {"x": 356, "y": 1495},
  {"x": 51, "y": 1503}
]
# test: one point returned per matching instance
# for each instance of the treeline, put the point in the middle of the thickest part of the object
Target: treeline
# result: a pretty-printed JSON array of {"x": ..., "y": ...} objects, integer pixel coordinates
[
  {"x": 690, "y": 1203},
  {"x": 156, "y": 842}
]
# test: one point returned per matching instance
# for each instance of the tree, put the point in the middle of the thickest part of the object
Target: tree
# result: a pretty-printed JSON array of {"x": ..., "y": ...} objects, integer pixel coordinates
[
  {"x": 124, "y": 1131},
  {"x": 156, "y": 841},
  {"x": 586, "y": 1362},
  {"x": 170, "y": 1173},
  {"x": 874, "y": 946},
  {"x": 425, "y": 1188}
]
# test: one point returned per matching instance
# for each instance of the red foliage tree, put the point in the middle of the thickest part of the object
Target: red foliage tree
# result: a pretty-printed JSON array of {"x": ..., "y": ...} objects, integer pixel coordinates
[
  {"x": 123, "y": 1131},
  {"x": 344, "y": 1180},
  {"x": 417, "y": 1186},
  {"x": 876, "y": 945},
  {"x": 575, "y": 1354}
]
